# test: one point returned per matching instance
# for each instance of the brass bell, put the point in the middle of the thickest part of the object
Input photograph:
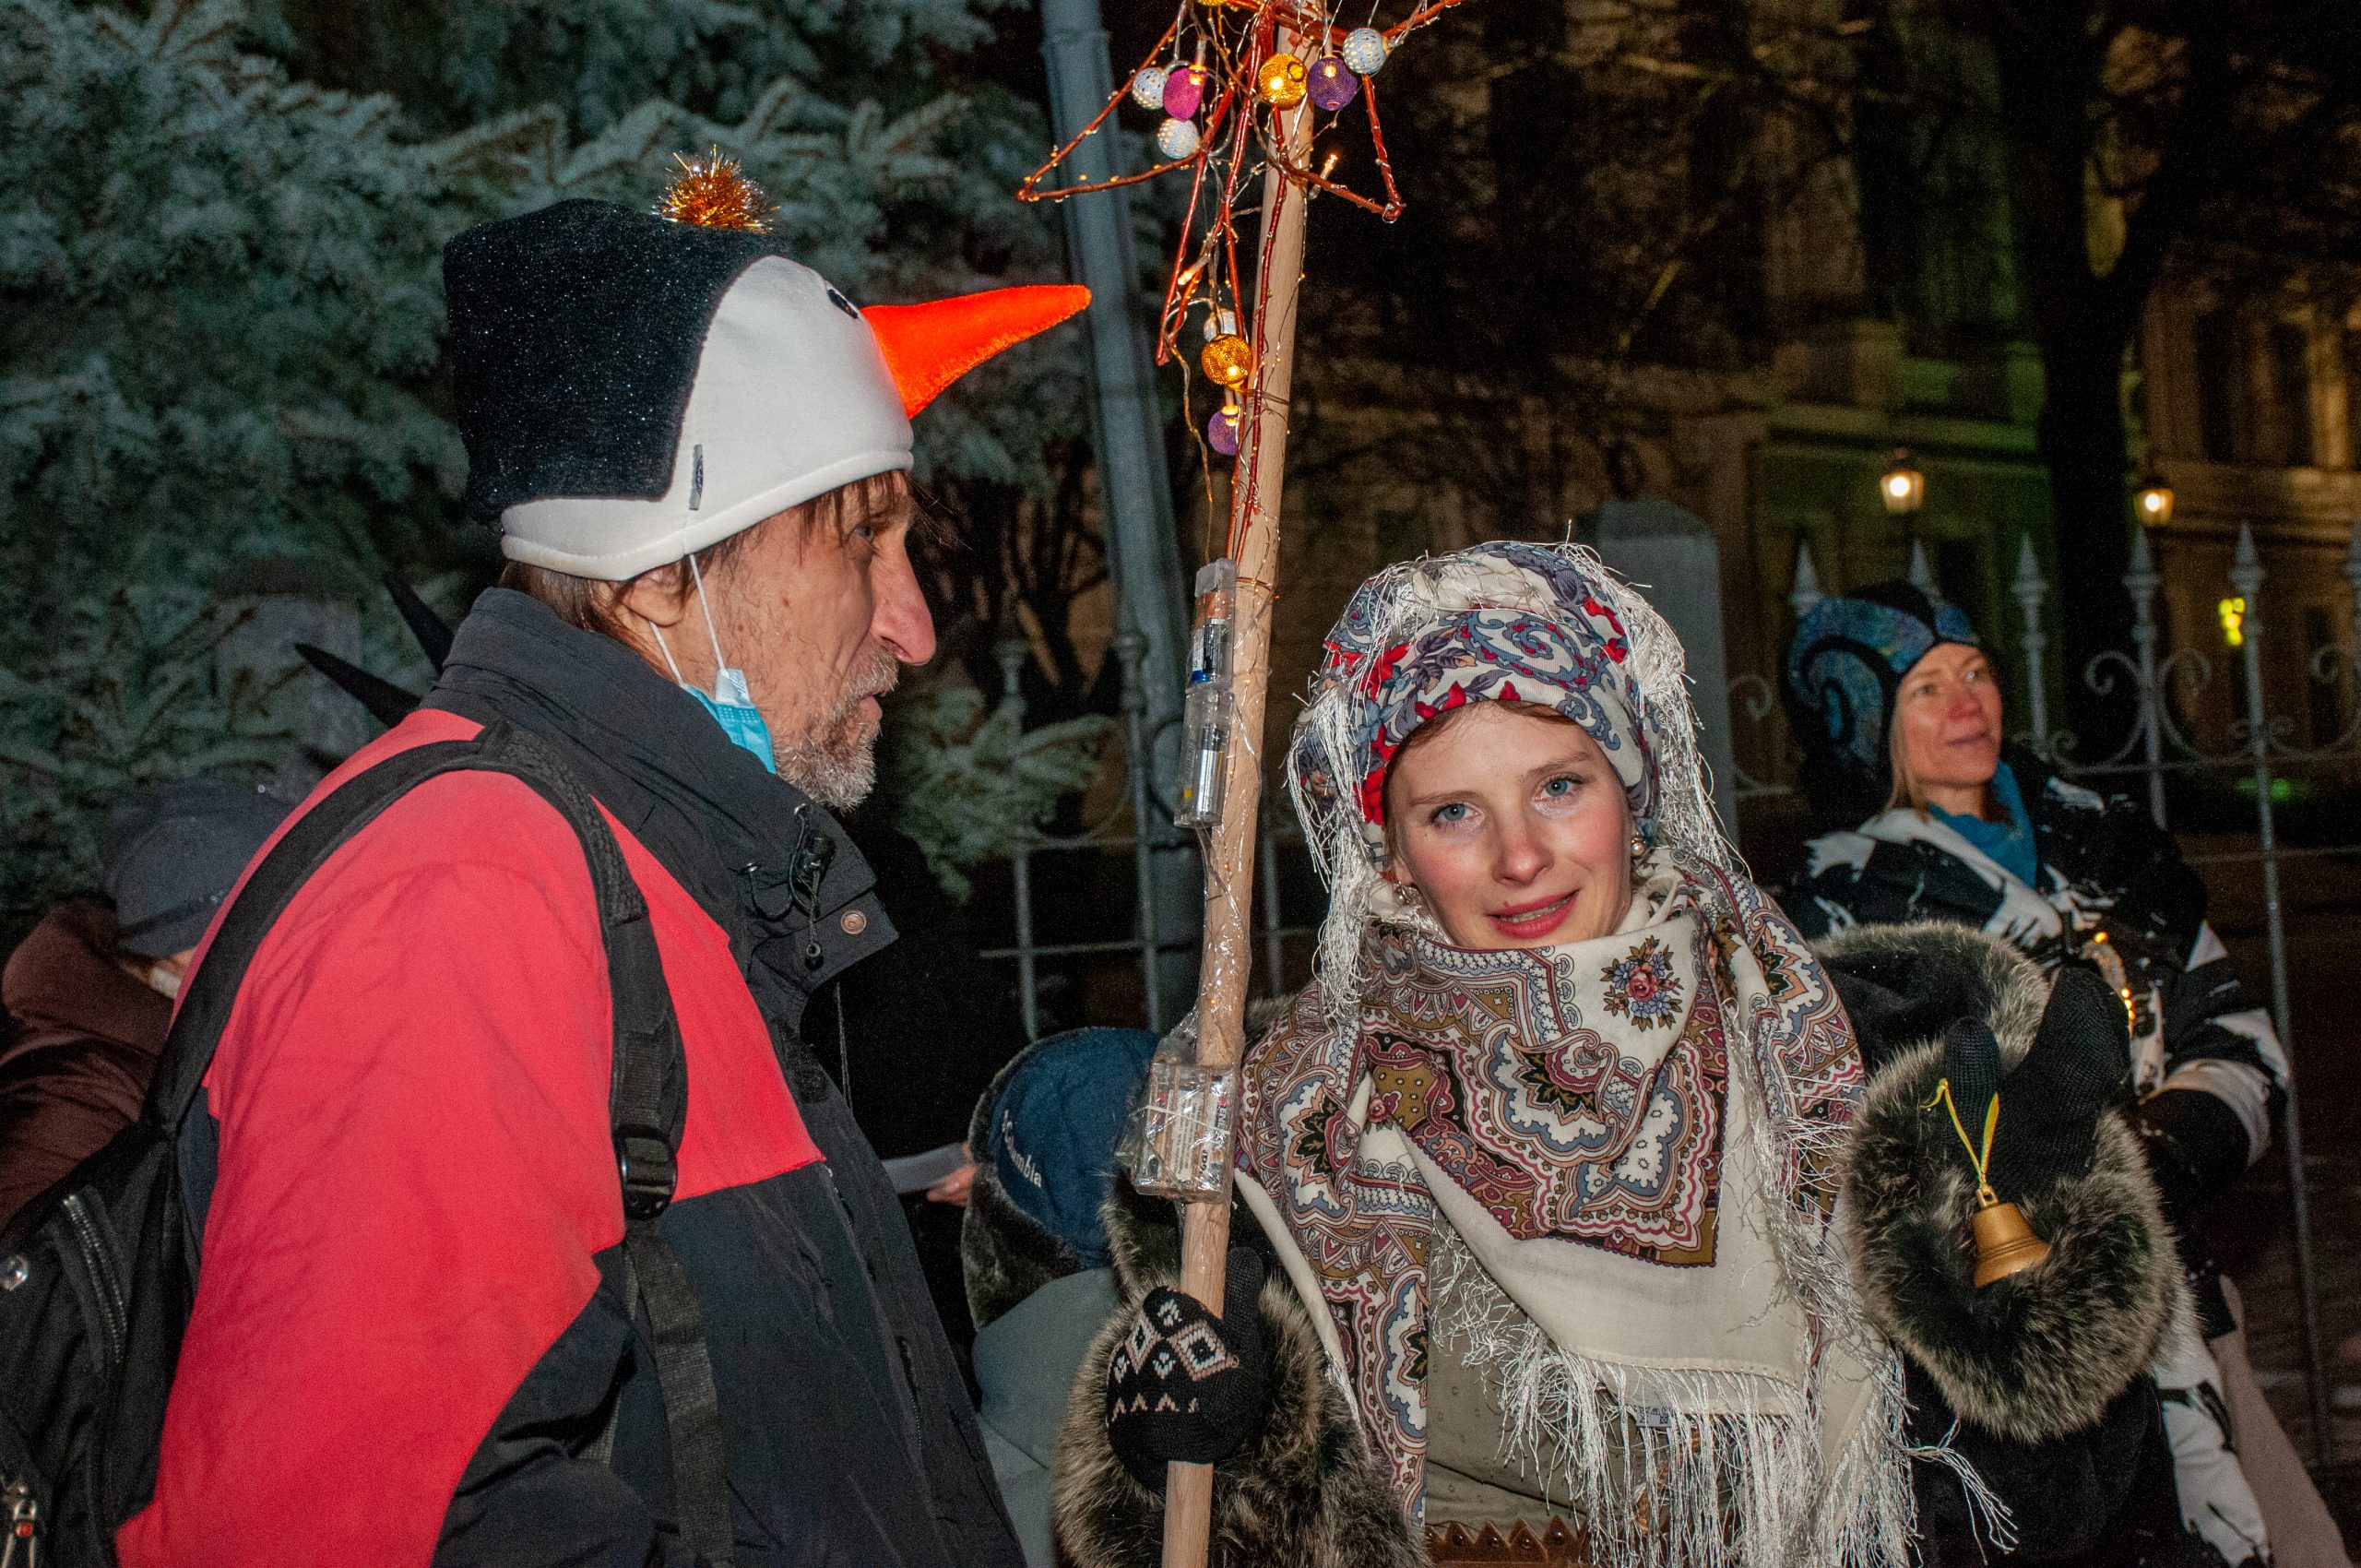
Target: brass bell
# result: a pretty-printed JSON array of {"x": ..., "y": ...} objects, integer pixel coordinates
[{"x": 2005, "y": 1244}]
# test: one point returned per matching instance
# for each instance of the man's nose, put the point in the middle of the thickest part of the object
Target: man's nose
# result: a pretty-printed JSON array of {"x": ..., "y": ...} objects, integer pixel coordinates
[{"x": 902, "y": 621}]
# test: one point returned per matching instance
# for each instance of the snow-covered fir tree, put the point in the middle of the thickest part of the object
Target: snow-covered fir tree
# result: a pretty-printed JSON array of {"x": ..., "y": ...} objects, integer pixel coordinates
[{"x": 221, "y": 309}]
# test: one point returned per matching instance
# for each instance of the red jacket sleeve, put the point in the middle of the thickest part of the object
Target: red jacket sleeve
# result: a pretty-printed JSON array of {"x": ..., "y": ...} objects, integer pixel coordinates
[{"x": 413, "y": 1181}]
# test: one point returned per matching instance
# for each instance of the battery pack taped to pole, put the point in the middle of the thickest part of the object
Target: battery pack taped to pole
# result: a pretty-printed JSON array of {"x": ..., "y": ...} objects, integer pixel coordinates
[
  {"x": 1176, "y": 1143},
  {"x": 1205, "y": 713}
]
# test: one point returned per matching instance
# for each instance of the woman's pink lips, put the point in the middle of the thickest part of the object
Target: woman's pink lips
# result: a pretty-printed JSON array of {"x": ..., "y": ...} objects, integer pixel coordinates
[{"x": 1535, "y": 920}]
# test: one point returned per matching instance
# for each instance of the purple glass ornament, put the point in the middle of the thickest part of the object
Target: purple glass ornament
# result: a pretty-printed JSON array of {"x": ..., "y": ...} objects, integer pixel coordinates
[
  {"x": 1221, "y": 432},
  {"x": 1184, "y": 91},
  {"x": 1333, "y": 86}
]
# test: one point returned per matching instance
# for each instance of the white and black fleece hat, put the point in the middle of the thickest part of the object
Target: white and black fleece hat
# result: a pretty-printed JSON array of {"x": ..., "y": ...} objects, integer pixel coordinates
[{"x": 630, "y": 389}]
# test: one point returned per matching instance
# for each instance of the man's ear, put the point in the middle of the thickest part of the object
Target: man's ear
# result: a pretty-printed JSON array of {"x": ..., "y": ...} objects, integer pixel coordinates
[{"x": 659, "y": 596}]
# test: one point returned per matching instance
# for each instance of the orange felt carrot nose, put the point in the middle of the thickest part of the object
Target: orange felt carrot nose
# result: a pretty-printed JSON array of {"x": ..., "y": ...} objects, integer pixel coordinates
[{"x": 930, "y": 346}]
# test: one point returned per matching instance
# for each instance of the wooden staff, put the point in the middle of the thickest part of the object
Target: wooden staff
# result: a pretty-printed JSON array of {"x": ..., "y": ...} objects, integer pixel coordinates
[{"x": 1226, "y": 965}]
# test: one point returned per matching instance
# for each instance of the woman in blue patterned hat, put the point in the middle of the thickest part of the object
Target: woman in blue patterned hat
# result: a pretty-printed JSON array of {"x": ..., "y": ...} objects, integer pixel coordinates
[
  {"x": 1538, "y": 1180},
  {"x": 1933, "y": 815}
]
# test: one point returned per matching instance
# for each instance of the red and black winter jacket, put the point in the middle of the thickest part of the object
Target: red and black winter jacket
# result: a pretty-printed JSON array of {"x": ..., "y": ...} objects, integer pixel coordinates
[{"x": 409, "y": 1324}]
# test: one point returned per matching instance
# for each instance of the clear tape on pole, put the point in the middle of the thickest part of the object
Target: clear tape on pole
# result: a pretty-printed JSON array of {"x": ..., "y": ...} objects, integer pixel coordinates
[
  {"x": 1206, "y": 711},
  {"x": 1176, "y": 1143}
]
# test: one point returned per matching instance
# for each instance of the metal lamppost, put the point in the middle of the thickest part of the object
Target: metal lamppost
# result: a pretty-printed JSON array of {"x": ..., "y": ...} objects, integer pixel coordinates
[
  {"x": 1902, "y": 488},
  {"x": 1144, "y": 550}
]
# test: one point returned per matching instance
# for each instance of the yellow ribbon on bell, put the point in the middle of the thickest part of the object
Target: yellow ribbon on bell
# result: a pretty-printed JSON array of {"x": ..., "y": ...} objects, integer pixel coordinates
[{"x": 2005, "y": 1244}]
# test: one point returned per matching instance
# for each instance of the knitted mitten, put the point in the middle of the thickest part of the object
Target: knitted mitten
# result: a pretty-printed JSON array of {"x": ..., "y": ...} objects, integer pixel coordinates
[{"x": 1185, "y": 1384}]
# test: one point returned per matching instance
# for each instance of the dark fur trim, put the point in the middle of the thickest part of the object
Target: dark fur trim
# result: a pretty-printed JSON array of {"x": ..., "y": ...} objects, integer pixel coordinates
[
  {"x": 1904, "y": 984},
  {"x": 2039, "y": 1355},
  {"x": 1305, "y": 1493},
  {"x": 1004, "y": 1253},
  {"x": 1143, "y": 1237}
]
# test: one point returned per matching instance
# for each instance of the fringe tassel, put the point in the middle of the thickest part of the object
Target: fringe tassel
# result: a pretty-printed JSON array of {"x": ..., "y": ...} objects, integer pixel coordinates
[
  {"x": 1677, "y": 1470},
  {"x": 1870, "y": 1513},
  {"x": 1987, "y": 1517}
]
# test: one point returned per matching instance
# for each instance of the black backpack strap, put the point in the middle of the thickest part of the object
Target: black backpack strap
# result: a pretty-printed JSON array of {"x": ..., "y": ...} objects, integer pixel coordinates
[{"x": 647, "y": 1100}]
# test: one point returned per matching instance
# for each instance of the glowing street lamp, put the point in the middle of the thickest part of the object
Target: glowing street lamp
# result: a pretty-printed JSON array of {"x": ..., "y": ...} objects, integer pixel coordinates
[
  {"x": 2153, "y": 501},
  {"x": 1902, "y": 487}
]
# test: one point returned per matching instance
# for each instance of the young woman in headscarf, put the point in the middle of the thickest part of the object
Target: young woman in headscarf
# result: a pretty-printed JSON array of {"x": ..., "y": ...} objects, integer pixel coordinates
[
  {"x": 1897, "y": 707},
  {"x": 1538, "y": 1182}
]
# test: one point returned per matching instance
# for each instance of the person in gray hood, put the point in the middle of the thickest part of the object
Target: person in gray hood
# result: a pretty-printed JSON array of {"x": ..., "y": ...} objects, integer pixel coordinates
[{"x": 88, "y": 994}]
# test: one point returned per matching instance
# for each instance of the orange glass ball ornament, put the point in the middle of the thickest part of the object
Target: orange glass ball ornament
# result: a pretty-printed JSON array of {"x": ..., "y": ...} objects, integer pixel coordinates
[
  {"x": 1283, "y": 81},
  {"x": 1228, "y": 360}
]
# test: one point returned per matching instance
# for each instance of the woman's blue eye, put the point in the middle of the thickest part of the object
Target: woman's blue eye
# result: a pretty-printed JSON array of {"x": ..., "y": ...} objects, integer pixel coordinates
[
  {"x": 1558, "y": 789},
  {"x": 1456, "y": 811}
]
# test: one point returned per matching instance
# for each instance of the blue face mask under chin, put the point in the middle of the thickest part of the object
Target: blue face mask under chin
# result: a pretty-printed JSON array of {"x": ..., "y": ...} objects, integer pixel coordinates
[
  {"x": 731, "y": 705},
  {"x": 740, "y": 719}
]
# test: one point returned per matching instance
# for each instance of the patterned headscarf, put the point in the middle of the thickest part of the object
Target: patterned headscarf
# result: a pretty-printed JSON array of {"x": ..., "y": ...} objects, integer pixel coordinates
[
  {"x": 1847, "y": 659},
  {"x": 1506, "y": 622}
]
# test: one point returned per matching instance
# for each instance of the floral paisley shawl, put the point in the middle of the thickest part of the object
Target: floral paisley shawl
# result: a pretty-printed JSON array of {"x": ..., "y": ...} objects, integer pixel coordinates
[
  {"x": 1579, "y": 1093},
  {"x": 1489, "y": 1064}
]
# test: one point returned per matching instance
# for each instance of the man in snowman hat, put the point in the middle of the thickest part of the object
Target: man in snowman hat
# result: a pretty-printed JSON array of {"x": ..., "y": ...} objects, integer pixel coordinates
[{"x": 416, "y": 1336}]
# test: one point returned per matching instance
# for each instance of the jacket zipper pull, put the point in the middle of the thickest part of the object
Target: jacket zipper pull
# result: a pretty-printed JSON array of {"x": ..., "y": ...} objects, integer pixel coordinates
[
  {"x": 24, "y": 1519},
  {"x": 807, "y": 869}
]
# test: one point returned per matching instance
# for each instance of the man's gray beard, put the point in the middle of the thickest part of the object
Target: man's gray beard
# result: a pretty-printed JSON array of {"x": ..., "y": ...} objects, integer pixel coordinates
[
  {"x": 836, "y": 763},
  {"x": 837, "y": 780}
]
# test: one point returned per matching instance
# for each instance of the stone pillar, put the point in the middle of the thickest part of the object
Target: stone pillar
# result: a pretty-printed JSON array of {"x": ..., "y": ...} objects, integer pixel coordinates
[{"x": 1671, "y": 556}]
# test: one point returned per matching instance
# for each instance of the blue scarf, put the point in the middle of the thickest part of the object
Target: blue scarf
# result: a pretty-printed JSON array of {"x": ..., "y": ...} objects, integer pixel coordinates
[{"x": 2008, "y": 843}]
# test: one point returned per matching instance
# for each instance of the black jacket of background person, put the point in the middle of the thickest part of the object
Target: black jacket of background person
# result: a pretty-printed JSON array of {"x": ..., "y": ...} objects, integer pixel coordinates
[
  {"x": 2127, "y": 879},
  {"x": 850, "y": 1435}
]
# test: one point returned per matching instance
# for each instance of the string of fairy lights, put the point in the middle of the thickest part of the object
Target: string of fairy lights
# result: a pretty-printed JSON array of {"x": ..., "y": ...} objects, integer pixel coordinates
[{"x": 1218, "y": 82}]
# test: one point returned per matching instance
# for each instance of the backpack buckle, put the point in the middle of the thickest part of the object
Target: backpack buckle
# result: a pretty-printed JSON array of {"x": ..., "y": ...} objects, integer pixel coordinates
[{"x": 649, "y": 1173}]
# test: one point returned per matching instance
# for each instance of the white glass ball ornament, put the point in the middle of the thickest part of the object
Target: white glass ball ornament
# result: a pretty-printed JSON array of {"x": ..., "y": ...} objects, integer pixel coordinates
[
  {"x": 1177, "y": 138},
  {"x": 1147, "y": 88},
  {"x": 1365, "y": 50}
]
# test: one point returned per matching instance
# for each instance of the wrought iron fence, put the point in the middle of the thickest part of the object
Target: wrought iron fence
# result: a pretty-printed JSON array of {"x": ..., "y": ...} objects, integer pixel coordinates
[{"x": 1113, "y": 833}]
